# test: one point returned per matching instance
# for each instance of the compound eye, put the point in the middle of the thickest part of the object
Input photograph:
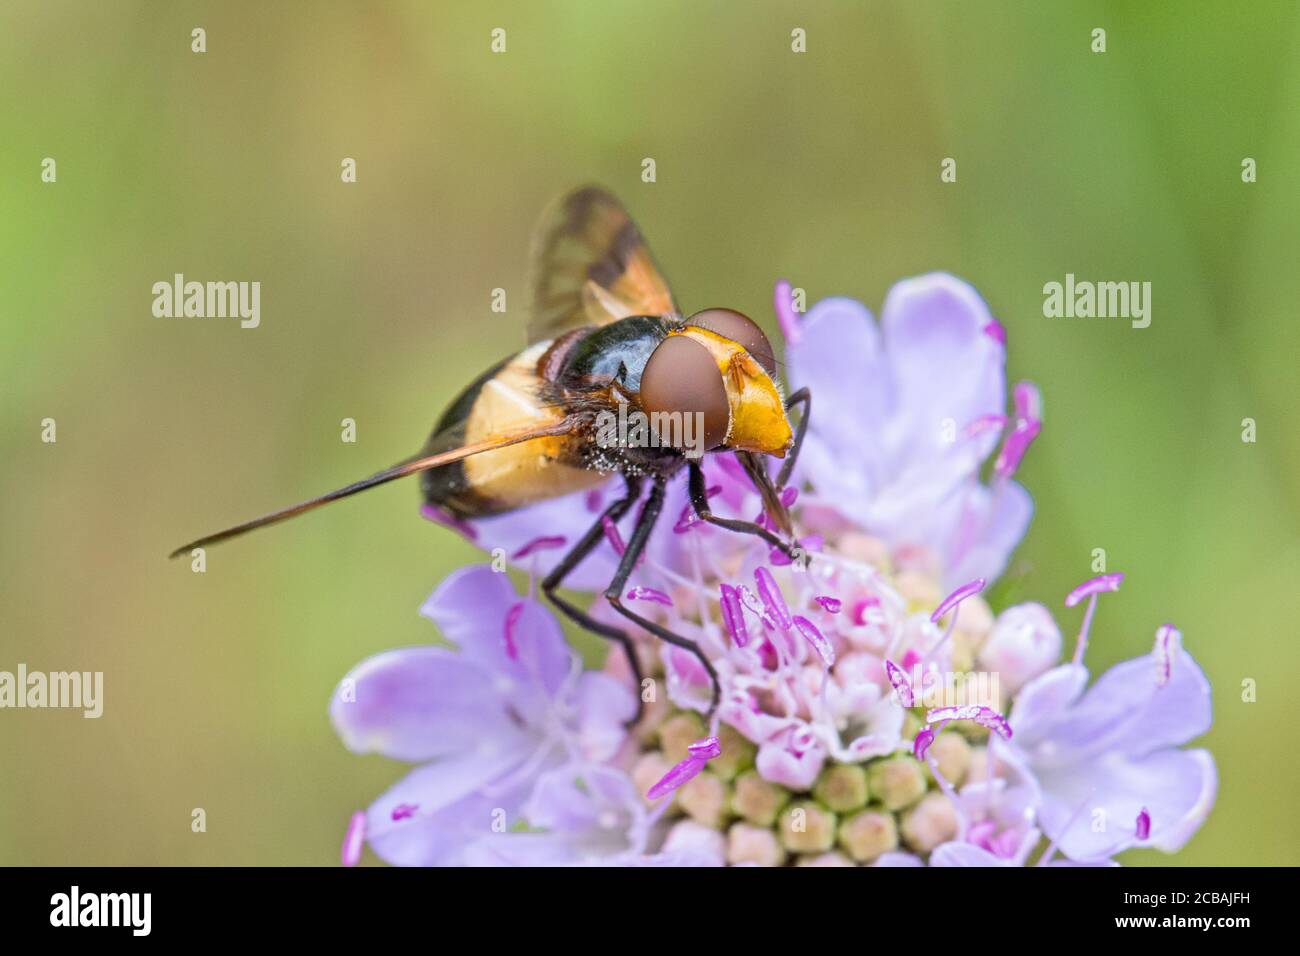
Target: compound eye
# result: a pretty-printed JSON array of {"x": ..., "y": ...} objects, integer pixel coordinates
[
  {"x": 683, "y": 380},
  {"x": 742, "y": 330}
]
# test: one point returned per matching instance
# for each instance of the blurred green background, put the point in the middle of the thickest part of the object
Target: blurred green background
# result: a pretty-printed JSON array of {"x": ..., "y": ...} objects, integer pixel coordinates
[{"x": 821, "y": 167}]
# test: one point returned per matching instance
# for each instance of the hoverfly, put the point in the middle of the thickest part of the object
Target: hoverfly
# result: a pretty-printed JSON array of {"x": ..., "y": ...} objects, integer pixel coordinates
[{"x": 605, "y": 333}]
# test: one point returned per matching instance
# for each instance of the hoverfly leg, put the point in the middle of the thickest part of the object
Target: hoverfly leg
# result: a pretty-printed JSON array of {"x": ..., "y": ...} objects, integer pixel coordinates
[
  {"x": 614, "y": 593},
  {"x": 700, "y": 501},
  {"x": 552, "y": 582},
  {"x": 801, "y": 397}
]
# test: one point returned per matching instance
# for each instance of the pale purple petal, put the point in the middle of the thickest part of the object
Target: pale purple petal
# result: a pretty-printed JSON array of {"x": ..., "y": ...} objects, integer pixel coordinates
[
  {"x": 421, "y": 702},
  {"x": 547, "y": 542},
  {"x": 965, "y": 854},
  {"x": 471, "y": 608},
  {"x": 1176, "y": 787},
  {"x": 454, "y": 812},
  {"x": 783, "y": 305},
  {"x": 795, "y": 769},
  {"x": 1126, "y": 711},
  {"x": 840, "y": 358},
  {"x": 354, "y": 840},
  {"x": 1169, "y": 642},
  {"x": 980, "y": 528},
  {"x": 571, "y": 515},
  {"x": 892, "y": 859},
  {"x": 934, "y": 334},
  {"x": 604, "y": 705}
]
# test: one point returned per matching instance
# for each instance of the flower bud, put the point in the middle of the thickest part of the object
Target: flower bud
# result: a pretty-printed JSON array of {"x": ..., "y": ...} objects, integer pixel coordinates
[
  {"x": 704, "y": 799},
  {"x": 750, "y": 844},
  {"x": 807, "y": 827},
  {"x": 756, "y": 799},
  {"x": 678, "y": 732},
  {"x": 690, "y": 837},
  {"x": 920, "y": 591},
  {"x": 897, "y": 782},
  {"x": 825, "y": 859},
  {"x": 842, "y": 788},
  {"x": 737, "y": 753},
  {"x": 866, "y": 835},
  {"x": 1024, "y": 643},
  {"x": 929, "y": 823},
  {"x": 648, "y": 770},
  {"x": 953, "y": 755}
]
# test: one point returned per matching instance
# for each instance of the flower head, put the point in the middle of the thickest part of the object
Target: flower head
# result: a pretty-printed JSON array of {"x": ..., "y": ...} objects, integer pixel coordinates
[{"x": 874, "y": 710}]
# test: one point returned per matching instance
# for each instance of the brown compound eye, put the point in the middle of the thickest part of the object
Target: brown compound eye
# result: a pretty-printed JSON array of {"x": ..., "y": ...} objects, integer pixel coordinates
[
  {"x": 742, "y": 330},
  {"x": 683, "y": 380}
]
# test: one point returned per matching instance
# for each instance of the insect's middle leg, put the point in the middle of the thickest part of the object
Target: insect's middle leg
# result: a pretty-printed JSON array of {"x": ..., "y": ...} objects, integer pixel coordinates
[
  {"x": 700, "y": 502},
  {"x": 614, "y": 593},
  {"x": 552, "y": 582}
]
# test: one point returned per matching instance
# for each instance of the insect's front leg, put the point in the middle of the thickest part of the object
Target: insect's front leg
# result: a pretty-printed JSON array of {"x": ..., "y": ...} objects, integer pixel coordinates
[
  {"x": 801, "y": 397},
  {"x": 614, "y": 593}
]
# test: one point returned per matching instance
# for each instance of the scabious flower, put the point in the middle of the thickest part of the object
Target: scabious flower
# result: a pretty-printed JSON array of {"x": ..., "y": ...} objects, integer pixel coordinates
[
  {"x": 486, "y": 719},
  {"x": 874, "y": 709}
]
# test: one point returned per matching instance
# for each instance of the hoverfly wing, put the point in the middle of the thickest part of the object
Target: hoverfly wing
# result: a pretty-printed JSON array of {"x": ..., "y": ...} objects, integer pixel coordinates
[
  {"x": 591, "y": 267},
  {"x": 411, "y": 466}
]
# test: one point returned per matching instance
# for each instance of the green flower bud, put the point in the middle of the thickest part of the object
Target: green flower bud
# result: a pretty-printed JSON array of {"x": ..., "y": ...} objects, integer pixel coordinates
[
  {"x": 842, "y": 788},
  {"x": 897, "y": 781},
  {"x": 807, "y": 827},
  {"x": 756, "y": 799},
  {"x": 866, "y": 835},
  {"x": 737, "y": 753},
  {"x": 677, "y": 732},
  {"x": 912, "y": 725}
]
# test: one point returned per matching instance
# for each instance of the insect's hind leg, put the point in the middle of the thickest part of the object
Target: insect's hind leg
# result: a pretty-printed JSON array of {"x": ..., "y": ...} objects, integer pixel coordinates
[
  {"x": 614, "y": 593},
  {"x": 552, "y": 582}
]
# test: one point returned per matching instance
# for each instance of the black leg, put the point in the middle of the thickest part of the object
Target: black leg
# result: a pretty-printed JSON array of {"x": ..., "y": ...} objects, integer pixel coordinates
[
  {"x": 801, "y": 397},
  {"x": 614, "y": 593},
  {"x": 700, "y": 501},
  {"x": 584, "y": 547}
]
